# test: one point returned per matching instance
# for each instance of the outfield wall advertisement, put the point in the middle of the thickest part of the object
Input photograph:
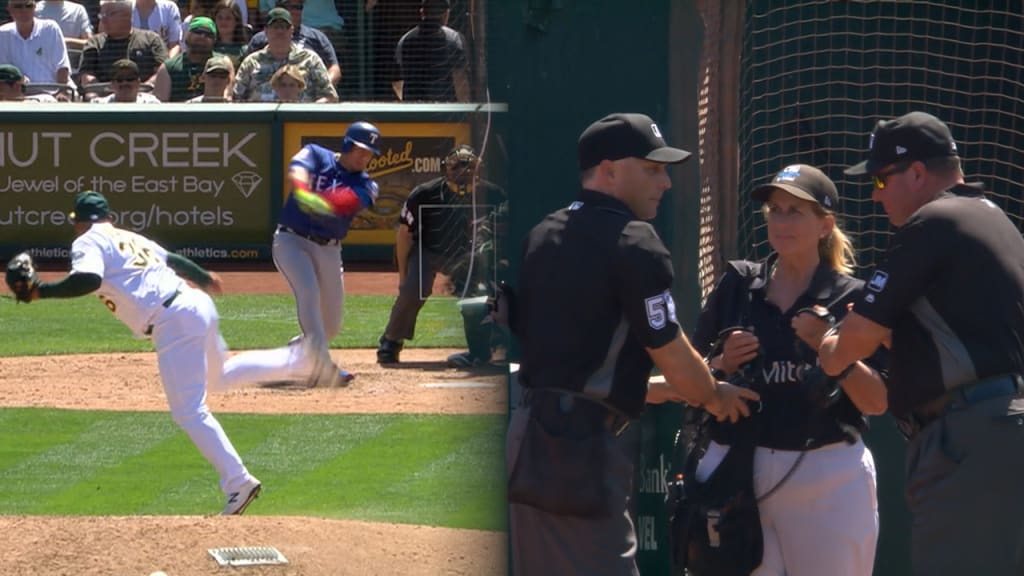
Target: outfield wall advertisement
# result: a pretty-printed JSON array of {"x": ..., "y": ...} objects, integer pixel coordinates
[{"x": 191, "y": 187}]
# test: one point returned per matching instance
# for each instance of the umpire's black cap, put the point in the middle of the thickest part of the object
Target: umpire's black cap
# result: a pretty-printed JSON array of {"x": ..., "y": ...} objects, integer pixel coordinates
[
  {"x": 803, "y": 181},
  {"x": 619, "y": 136},
  {"x": 913, "y": 136}
]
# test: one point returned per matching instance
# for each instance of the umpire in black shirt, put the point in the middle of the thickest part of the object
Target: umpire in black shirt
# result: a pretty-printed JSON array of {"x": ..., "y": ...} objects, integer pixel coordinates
[
  {"x": 594, "y": 309},
  {"x": 447, "y": 225},
  {"x": 950, "y": 298}
]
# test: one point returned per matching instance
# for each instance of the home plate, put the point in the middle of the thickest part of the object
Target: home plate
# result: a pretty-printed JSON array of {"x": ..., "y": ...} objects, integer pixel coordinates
[{"x": 459, "y": 385}]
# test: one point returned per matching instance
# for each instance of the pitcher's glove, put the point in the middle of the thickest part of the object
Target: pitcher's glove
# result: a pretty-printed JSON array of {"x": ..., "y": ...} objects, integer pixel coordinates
[{"x": 22, "y": 278}]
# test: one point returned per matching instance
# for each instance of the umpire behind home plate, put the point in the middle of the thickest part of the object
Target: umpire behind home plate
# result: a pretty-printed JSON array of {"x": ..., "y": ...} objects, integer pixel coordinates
[
  {"x": 594, "y": 309},
  {"x": 950, "y": 296}
]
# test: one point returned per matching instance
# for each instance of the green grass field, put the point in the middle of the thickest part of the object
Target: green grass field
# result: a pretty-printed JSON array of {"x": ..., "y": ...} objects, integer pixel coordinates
[
  {"x": 84, "y": 325},
  {"x": 440, "y": 470}
]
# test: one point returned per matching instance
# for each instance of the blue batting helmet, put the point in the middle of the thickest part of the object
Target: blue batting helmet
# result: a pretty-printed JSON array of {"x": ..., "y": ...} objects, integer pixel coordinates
[{"x": 364, "y": 135}]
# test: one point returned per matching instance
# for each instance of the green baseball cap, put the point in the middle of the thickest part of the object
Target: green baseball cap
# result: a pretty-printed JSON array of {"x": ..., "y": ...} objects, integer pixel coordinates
[
  {"x": 90, "y": 206},
  {"x": 279, "y": 13},
  {"x": 10, "y": 73},
  {"x": 203, "y": 23}
]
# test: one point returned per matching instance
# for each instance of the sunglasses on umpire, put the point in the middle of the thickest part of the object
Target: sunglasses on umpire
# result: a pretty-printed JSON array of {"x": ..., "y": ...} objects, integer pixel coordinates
[{"x": 882, "y": 176}]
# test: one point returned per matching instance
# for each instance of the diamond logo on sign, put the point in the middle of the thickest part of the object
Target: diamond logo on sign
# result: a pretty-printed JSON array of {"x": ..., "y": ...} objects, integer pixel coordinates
[
  {"x": 246, "y": 182},
  {"x": 654, "y": 128}
]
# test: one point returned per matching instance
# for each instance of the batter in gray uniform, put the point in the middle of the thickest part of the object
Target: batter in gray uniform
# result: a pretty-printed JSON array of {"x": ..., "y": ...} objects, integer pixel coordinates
[{"x": 328, "y": 190}]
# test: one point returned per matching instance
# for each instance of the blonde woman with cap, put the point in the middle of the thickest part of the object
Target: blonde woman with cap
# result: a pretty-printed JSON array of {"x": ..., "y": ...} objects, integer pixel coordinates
[{"x": 813, "y": 477}]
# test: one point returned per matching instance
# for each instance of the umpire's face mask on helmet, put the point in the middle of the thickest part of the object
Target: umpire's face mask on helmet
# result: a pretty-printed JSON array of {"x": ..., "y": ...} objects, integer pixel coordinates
[{"x": 460, "y": 168}]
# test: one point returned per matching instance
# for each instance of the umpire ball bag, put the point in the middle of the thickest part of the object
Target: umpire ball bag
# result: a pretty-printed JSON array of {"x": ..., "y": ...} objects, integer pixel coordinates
[{"x": 714, "y": 526}]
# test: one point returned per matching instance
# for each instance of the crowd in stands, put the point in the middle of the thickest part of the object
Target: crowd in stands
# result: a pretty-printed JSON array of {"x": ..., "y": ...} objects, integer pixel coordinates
[{"x": 156, "y": 51}]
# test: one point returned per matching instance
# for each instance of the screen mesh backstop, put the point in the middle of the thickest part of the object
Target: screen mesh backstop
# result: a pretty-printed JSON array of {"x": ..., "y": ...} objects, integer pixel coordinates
[{"x": 815, "y": 76}]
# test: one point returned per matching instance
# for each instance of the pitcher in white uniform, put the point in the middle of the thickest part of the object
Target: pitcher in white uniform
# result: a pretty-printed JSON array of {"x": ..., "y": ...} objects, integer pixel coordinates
[{"x": 142, "y": 284}]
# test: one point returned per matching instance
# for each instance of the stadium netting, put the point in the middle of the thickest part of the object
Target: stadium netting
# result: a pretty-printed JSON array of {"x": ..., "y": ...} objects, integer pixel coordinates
[{"x": 816, "y": 76}]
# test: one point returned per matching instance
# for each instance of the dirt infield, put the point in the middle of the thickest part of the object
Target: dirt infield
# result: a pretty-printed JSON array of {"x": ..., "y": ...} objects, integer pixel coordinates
[{"x": 94, "y": 546}]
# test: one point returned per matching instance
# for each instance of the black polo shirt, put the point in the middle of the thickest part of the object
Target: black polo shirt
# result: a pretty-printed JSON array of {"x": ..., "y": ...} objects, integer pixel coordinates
[
  {"x": 441, "y": 219},
  {"x": 787, "y": 419},
  {"x": 951, "y": 289},
  {"x": 427, "y": 56},
  {"x": 594, "y": 292}
]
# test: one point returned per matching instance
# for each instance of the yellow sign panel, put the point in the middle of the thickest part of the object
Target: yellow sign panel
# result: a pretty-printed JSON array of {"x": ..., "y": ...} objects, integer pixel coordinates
[{"x": 411, "y": 154}]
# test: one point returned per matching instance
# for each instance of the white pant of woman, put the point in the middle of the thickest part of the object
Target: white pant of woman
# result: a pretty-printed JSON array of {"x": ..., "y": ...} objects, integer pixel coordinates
[{"x": 823, "y": 519}]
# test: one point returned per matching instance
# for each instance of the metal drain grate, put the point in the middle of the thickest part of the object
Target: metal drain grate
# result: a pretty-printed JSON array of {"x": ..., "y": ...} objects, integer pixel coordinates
[{"x": 248, "y": 556}]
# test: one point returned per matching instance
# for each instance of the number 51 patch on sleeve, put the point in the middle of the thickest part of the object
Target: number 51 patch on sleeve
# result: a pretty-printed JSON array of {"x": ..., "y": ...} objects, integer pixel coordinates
[{"x": 660, "y": 309}]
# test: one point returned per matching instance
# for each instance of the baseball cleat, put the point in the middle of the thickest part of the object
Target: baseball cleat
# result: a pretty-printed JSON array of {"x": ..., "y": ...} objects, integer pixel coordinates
[
  {"x": 388, "y": 351},
  {"x": 464, "y": 360},
  {"x": 345, "y": 377},
  {"x": 239, "y": 501}
]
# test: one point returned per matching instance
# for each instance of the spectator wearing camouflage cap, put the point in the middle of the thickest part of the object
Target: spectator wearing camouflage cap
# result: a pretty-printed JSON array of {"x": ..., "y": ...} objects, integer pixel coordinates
[
  {"x": 217, "y": 77},
  {"x": 253, "y": 81},
  {"x": 180, "y": 78},
  {"x": 125, "y": 86}
]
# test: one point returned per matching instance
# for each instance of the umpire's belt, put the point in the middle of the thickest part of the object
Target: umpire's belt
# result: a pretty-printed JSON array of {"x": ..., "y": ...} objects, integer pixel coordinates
[
  {"x": 321, "y": 240},
  {"x": 166, "y": 304},
  {"x": 960, "y": 397},
  {"x": 574, "y": 410}
]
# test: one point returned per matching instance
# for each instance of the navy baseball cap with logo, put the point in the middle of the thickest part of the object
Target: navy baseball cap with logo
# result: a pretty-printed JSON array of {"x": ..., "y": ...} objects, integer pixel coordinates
[
  {"x": 911, "y": 137},
  {"x": 803, "y": 181},
  {"x": 89, "y": 207},
  {"x": 619, "y": 136}
]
